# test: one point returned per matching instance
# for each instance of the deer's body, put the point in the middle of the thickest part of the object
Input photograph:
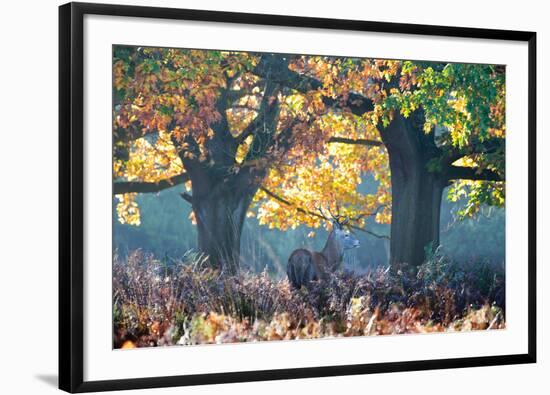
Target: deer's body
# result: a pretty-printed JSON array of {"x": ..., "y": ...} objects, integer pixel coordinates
[{"x": 305, "y": 266}]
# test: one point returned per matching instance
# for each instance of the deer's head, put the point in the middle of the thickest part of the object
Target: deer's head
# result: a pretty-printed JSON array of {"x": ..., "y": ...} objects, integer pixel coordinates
[
  {"x": 343, "y": 236},
  {"x": 340, "y": 236}
]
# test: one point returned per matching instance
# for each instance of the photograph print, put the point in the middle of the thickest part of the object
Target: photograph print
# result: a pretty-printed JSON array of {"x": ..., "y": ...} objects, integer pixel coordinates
[{"x": 267, "y": 196}]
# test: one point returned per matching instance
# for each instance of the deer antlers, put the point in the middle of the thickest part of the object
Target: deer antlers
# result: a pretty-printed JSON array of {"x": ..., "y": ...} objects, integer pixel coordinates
[
  {"x": 341, "y": 220},
  {"x": 338, "y": 219}
]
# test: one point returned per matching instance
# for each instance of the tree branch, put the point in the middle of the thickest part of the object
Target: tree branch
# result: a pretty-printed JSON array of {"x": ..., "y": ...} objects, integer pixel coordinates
[
  {"x": 121, "y": 187},
  {"x": 357, "y": 103},
  {"x": 472, "y": 173},
  {"x": 286, "y": 202},
  {"x": 370, "y": 232},
  {"x": 250, "y": 130},
  {"x": 367, "y": 142},
  {"x": 314, "y": 214},
  {"x": 488, "y": 146},
  {"x": 264, "y": 125},
  {"x": 132, "y": 132},
  {"x": 187, "y": 197},
  {"x": 371, "y": 214}
]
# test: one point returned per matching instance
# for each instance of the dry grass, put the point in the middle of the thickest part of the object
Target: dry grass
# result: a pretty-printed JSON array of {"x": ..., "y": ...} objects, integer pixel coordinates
[{"x": 187, "y": 302}]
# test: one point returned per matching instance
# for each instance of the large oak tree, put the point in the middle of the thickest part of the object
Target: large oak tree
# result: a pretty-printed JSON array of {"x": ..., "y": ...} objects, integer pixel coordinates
[
  {"x": 441, "y": 125},
  {"x": 293, "y": 133}
]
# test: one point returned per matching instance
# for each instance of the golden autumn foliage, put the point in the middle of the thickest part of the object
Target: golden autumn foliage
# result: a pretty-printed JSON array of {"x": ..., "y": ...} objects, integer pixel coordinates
[{"x": 168, "y": 103}]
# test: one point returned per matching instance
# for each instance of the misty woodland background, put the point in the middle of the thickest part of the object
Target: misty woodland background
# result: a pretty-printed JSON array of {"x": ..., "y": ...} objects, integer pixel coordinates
[{"x": 222, "y": 161}]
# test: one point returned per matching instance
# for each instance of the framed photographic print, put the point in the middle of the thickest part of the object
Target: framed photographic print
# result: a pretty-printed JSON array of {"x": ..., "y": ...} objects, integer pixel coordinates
[{"x": 259, "y": 197}]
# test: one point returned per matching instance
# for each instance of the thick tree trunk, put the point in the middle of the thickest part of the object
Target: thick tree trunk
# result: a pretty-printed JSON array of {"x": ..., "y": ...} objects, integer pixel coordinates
[
  {"x": 416, "y": 193},
  {"x": 220, "y": 220},
  {"x": 220, "y": 201},
  {"x": 416, "y": 203}
]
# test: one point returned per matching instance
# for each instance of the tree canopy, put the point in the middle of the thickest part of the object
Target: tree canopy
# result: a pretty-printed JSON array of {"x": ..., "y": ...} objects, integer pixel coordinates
[{"x": 169, "y": 104}]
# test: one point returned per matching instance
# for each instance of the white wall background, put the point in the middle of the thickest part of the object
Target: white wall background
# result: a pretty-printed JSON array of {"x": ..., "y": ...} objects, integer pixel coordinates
[{"x": 28, "y": 197}]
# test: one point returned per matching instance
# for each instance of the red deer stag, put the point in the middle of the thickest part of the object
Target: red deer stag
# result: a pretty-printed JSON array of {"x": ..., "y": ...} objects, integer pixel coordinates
[{"x": 305, "y": 266}]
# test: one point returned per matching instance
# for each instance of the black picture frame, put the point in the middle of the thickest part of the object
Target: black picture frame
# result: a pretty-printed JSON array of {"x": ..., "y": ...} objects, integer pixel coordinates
[{"x": 71, "y": 198}]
